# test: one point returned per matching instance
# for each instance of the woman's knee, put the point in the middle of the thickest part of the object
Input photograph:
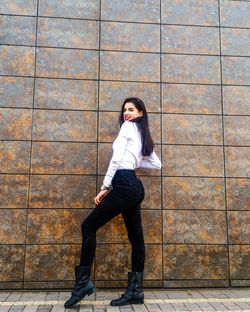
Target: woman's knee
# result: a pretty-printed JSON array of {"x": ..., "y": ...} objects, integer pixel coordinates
[
  {"x": 139, "y": 249},
  {"x": 136, "y": 237}
]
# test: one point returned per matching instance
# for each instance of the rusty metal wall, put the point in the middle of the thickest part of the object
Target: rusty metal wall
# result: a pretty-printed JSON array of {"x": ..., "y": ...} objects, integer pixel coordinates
[{"x": 66, "y": 66}]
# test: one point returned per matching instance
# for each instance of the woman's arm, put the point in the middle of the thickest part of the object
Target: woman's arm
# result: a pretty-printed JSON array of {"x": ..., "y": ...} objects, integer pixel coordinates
[
  {"x": 118, "y": 151},
  {"x": 114, "y": 162},
  {"x": 151, "y": 162}
]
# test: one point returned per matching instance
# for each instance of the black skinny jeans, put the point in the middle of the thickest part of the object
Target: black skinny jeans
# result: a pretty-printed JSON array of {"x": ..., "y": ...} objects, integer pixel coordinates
[{"x": 125, "y": 197}]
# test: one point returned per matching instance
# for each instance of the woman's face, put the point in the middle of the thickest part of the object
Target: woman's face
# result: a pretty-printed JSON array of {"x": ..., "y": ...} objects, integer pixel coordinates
[{"x": 130, "y": 111}]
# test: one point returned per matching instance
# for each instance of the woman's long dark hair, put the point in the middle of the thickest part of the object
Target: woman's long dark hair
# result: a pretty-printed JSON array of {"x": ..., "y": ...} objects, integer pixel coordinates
[{"x": 147, "y": 141}]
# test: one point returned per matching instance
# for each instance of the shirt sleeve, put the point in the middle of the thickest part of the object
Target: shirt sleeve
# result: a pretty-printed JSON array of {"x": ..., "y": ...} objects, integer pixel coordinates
[
  {"x": 151, "y": 162},
  {"x": 118, "y": 152}
]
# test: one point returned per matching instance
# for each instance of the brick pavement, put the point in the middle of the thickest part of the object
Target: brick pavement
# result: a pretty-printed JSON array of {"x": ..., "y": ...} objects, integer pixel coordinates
[{"x": 216, "y": 299}]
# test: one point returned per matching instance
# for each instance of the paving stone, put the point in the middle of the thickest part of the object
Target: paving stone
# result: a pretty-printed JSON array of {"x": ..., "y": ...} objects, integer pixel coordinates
[
  {"x": 52, "y": 296},
  {"x": 4, "y": 296},
  {"x": 139, "y": 308},
  {"x": 16, "y": 308},
  {"x": 85, "y": 308},
  {"x": 229, "y": 293},
  {"x": 178, "y": 294},
  {"x": 237, "y": 294},
  {"x": 153, "y": 307},
  {"x": 205, "y": 306},
  {"x": 58, "y": 308},
  {"x": 31, "y": 296},
  {"x": 242, "y": 293},
  {"x": 231, "y": 305},
  {"x": 44, "y": 308},
  {"x": 30, "y": 308},
  {"x": 104, "y": 295},
  {"x": 194, "y": 294},
  {"x": 149, "y": 295},
  {"x": 98, "y": 309},
  {"x": 4, "y": 308},
  {"x": 243, "y": 305},
  {"x": 218, "y": 306},
  {"x": 14, "y": 296},
  {"x": 63, "y": 295},
  {"x": 192, "y": 306},
  {"x": 126, "y": 309},
  {"x": 179, "y": 306},
  {"x": 160, "y": 295},
  {"x": 113, "y": 309},
  {"x": 214, "y": 294},
  {"x": 39, "y": 296},
  {"x": 177, "y": 298},
  {"x": 166, "y": 307}
]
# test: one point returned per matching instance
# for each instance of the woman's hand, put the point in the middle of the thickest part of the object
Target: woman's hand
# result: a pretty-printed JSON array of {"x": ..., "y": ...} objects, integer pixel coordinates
[{"x": 99, "y": 197}]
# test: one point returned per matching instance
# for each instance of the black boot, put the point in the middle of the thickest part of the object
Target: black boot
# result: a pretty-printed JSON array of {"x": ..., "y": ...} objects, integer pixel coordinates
[
  {"x": 134, "y": 293},
  {"x": 83, "y": 286}
]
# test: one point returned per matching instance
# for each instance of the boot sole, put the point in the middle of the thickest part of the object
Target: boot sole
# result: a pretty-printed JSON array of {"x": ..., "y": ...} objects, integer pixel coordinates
[
  {"x": 90, "y": 292},
  {"x": 137, "y": 302},
  {"x": 128, "y": 302}
]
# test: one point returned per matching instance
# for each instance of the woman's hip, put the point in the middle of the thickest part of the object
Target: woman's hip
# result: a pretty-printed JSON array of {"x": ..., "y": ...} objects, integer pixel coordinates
[{"x": 126, "y": 181}]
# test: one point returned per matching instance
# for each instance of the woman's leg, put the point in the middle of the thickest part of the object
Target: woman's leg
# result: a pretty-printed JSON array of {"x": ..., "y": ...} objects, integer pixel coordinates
[
  {"x": 132, "y": 219},
  {"x": 108, "y": 208},
  {"x": 134, "y": 293},
  {"x": 111, "y": 205}
]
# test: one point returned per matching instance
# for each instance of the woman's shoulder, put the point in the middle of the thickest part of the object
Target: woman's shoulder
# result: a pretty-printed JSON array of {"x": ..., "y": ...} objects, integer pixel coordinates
[
  {"x": 128, "y": 125},
  {"x": 128, "y": 128},
  {"x": 127, "y": 122}
]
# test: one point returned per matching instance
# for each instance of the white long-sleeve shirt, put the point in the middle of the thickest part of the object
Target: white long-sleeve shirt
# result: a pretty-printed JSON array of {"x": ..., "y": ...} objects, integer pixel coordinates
[{"x": 127, "y": 153}]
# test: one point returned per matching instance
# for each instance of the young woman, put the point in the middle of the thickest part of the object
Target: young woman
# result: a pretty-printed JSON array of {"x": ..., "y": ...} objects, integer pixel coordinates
[{"x": 133, "y": 148}]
